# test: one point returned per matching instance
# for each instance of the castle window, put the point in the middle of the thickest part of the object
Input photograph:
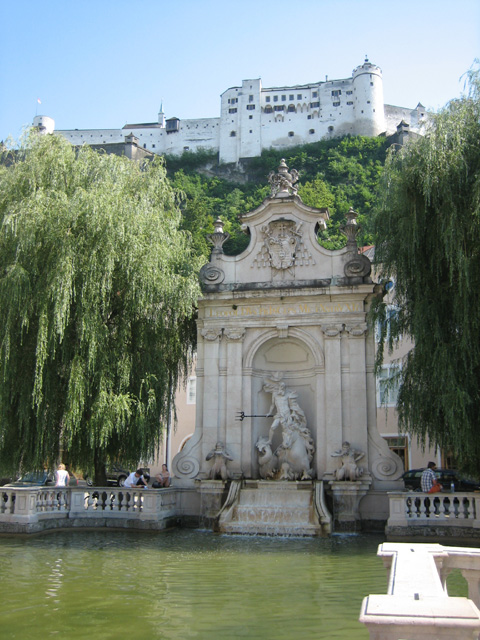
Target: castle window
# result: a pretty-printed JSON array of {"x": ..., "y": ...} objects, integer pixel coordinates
[
  {"x": 330, "y": 129},
  {"x": 371, "y": 84},
  {"x": 268, "y": 108},
  {"x": 368, "y": 101},
  {"x": 336, "y": 104},
  {"x": 299, "y": 96},
  {"x": 337, "y": 92},
  {"x": 233, "y": 134},
  {"x": 291, "y": 108},
  {"x": 290, "y": 134},
  {"x": 349, "y": 102},
  {"x": 267, "y": 99},
  {"x": 153, "y": 146},
  {"x": 314, "y": 94},
  {"x": 311, "y": 131},
  {"x": 232, "y": 111},
  {"x": 313, "y": 105},
  {"x": 250, "y": 98},
  {"x": 250, "y": 117},
  {"x": 309, "y": 117},
  {"x": 280, "y": 107},
  {"x": 349, "y": 93},
  {"x": 284, "y": 98},
  {"x": 250, "y": 107},
  {"x": 290, "y": 97},
  {"x": 250, "y": 131},
  {"x": 186, "y": 148},
  {"x": 275, "y": 98}
]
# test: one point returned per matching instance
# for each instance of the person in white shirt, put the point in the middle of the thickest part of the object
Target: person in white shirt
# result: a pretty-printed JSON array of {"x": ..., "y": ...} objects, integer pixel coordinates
[
  {"x": 136, "y": 479},
  {"x": 61, "y": 476}
]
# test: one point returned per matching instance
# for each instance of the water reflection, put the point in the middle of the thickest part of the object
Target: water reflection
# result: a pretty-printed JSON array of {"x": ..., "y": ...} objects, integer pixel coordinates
[{"x": 186, "y": 584}]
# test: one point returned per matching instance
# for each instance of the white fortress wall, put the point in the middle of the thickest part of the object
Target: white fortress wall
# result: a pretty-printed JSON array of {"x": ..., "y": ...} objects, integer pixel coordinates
[
  {"x": 253, "y": 118},
  {"x": 190, "y": 136},
  {"x": 415, "y": 118}
]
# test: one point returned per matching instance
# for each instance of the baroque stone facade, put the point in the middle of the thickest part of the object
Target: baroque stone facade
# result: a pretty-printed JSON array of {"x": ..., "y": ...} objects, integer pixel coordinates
[
  {"x": 253, "y": 118},
  {"x": 283, "y": 342}
]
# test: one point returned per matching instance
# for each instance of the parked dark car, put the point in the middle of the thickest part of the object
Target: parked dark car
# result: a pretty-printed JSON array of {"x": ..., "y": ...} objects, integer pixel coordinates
[
  {"x": 40, "y": 479},
  {"x": 461, "y": 482},
  {"x": 34, "y": 479},
  {"x": 116, "y": 475}
]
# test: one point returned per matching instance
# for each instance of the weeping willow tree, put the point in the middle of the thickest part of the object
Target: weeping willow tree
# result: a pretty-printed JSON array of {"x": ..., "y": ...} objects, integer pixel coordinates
[
  {"x": 427, "y": 236},
  {"x": 97, "y": 294}
]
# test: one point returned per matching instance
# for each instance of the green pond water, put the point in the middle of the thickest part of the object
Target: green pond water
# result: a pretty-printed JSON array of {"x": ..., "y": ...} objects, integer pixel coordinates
[{"x": 184, "y": 584}]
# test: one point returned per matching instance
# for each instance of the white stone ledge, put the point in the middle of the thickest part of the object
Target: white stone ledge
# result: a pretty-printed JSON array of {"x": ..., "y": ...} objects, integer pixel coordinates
[{"x": 417, "y": 604}]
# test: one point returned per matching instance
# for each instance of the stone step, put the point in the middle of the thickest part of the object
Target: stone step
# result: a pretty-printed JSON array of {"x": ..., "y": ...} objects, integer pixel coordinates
[
  {"x": 274, "y": 529},
  {"x": 272, "y": 514}
]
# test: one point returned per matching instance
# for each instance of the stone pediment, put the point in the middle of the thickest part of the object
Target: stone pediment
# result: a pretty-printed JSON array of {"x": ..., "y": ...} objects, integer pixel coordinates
[{"x": 284, "y": 249}]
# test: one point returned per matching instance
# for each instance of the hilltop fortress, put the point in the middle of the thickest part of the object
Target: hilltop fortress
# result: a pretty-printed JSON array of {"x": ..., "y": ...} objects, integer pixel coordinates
[{"x": 253, "y": 118}]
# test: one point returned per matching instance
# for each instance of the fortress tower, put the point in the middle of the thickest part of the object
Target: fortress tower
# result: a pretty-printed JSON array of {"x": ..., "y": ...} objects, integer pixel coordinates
[{"x": 368, "y": 99}]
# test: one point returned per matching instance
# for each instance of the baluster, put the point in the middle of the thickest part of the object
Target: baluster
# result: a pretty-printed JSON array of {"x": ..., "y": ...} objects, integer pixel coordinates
[
  {"x": 442, "y": 508},
  {"x": 90, "y": 504},
  {"x": 423, "y": 511},
  {"x": 120, "y": 497},
  {"x": 463, "y": 509}
]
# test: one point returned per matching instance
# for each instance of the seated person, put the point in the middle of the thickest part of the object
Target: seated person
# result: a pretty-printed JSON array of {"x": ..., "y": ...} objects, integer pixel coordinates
[
  {"x": 162, "y": 479},
  {"x": 136, "y": 479}
]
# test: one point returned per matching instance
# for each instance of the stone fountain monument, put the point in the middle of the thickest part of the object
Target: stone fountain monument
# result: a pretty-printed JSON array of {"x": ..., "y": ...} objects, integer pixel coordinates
[{"x": 286, "y": 393}]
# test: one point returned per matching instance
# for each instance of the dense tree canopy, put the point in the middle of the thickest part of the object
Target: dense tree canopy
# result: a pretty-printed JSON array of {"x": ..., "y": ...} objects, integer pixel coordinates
[
  {"x": 427, "y": 232},
  {"x": 339, "y": 173},
  {"x": 97, "y": 292}
]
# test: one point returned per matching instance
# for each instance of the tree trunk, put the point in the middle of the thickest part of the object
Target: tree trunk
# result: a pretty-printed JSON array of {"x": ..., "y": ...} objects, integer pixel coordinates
[{"x": 100, "y": 470}]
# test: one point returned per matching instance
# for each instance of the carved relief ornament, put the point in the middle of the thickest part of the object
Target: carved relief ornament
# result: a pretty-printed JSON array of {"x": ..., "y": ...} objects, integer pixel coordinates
[
  {"x": 332, "y": 330},
  {"x": 211, "y": 334},
  {"x": 235, "y": 334},
  {"x": 283, "y": 246}
]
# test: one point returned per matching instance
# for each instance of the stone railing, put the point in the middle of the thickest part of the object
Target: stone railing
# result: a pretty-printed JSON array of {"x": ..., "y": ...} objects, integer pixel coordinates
[
  {"x": 30, "y": 510},
  {"x": 417, "y": 605},
  {"x": 412, "y": 509}
]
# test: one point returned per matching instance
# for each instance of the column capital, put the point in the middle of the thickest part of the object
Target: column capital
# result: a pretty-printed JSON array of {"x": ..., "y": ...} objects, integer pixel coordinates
[
  {"x": 332, "y": 330},
  {"x": 212, "y": 334},
  {"x": 357, "y": 330},
  {"x": 235, "y": 334}
]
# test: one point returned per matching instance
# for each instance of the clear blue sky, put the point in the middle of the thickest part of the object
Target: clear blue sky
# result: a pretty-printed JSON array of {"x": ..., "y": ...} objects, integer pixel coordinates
[{"x": 103, "y": 63}]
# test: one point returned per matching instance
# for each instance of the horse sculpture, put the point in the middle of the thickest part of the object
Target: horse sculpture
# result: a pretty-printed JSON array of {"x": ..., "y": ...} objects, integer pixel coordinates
[{"x": 293, "y": 457}]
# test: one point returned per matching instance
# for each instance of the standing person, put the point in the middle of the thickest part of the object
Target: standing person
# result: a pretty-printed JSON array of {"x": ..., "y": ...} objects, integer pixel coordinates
[
  {"x": 61, "y": 476},
  {"x": 429, "y": 479},
  {"x": 136, "y": 479}
]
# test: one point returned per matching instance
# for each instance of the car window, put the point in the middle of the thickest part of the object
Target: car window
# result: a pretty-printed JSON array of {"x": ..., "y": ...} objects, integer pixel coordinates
[{"x": 34, "y": 476}]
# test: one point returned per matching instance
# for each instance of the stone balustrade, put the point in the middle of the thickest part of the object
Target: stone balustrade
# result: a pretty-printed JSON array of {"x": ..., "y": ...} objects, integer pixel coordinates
[
  {"x": 30, "y": 510},
  {"x": 420, "y": 514},
  {"x": 417, "y": 605}
]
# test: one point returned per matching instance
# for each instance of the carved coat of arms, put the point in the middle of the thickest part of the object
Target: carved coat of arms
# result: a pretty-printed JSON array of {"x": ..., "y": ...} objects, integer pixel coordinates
[
  {"x": 283, "y": 247},
  {"x": 281, "y": 243}
]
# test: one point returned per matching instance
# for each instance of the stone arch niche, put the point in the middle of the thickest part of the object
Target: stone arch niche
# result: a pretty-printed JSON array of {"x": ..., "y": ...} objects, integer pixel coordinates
[{"x": 294, "y": 359}]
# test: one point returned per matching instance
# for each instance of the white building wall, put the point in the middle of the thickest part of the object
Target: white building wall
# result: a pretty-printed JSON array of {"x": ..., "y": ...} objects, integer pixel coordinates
[{"x": 253, "y": 118}]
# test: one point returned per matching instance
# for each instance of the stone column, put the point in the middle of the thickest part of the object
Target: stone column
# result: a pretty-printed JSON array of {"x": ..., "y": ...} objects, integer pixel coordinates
[
  {"x": 333, "y": 391},
  {"x": 235, "y": 337},
  {"x": 210, "y": 419},
  {"x": 357, "y": 432}
]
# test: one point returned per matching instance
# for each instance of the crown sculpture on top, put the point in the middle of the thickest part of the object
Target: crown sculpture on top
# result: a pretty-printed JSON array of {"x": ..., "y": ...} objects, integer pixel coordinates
[{"x": 283, "y": 182}]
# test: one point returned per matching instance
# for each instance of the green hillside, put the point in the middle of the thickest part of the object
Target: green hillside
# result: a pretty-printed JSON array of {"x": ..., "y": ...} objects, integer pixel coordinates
[{"x": 337, "y": 174}]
